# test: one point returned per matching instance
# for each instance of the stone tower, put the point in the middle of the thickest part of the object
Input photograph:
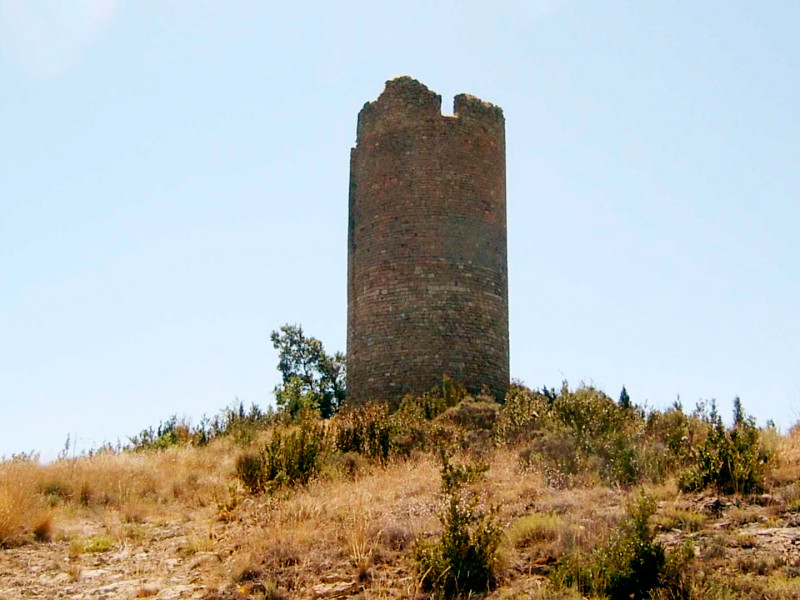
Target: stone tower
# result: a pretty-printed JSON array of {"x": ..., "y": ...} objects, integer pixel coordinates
[{"x": 427, "y": 274}]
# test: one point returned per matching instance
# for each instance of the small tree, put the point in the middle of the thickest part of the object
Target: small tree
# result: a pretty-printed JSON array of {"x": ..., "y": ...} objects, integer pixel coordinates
[
  {"x": 307, "y": 371},
  {"x": 624, "y": 399}
]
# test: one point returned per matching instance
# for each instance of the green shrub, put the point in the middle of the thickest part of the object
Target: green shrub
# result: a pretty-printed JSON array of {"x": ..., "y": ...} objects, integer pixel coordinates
[
  {"x": 464, "y": 559},
  {"x": 296, "y": 403},
  {"x": 93, "y": 544},
  {"x": 521, "y": 414},
  {"x": 286, "y": 460},
  {"x": 678, "y": 432},
  {"x": 430, "y": 405},
  {"x": 250, "y": 471},
  {"x": 631, "y": 562},
  {"x": 630, "y": 565},
  {"x": 591, "y": 415},
  {"x": 172, "y": 432},
  {"x": 414, "y": 428},
  {"x": 732, "y": 460},
  {"x": 376, "y": 432},
  {"x": 233, "y": 420},
  {"x": 350, "y": 465},
  {"x": 452, "y": 391},
  {"x": 368, "y": 431},
  {"x": 237, "y": 422},
  {"x": 472, "y": 415},
  {"x": 556, "y": 449},
  {"x": 312, "y": 379},
  {"x": 456, "y": 476},
  {"x": 577, "y": 433},
  {"x": 685, "y": 520}
]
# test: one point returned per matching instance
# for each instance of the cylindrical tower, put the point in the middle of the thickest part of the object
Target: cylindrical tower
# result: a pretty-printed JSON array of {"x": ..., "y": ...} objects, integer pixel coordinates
[{"x": 427, "y": 291}]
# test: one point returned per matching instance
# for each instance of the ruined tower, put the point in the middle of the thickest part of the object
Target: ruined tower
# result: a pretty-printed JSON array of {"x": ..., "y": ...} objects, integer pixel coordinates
[{"x": 427, "y": 280}]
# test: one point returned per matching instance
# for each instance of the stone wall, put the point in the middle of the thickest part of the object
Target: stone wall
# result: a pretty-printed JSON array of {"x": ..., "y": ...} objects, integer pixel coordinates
[{"x": 427, "y": 267}]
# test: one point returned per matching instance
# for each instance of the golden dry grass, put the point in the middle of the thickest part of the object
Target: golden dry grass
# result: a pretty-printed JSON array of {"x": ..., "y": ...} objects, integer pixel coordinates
[
  {"x": 23, "y": 512},
  {"x": 787, "y": 451},
  {"x": 356, "y": 526},
  {"x": 35, "y": 497}
]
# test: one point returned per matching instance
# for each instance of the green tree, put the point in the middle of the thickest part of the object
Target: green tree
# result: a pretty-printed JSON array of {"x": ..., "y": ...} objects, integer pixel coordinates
[
  {"x": 739, "y": 417},
  {"x": 307, "y": 371},
  {"x": 624, "y": 399}
]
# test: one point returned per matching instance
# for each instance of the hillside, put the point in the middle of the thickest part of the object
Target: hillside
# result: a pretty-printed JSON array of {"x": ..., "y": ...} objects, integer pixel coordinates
[{"x": 552, "y": 494}]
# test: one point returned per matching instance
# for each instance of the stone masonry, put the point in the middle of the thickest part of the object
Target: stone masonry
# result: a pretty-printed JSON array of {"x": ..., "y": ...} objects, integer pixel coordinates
[{"x": 427, "y": 290}]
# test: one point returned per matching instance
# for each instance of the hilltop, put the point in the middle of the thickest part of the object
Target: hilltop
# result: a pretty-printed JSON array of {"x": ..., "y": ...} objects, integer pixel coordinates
[{"x": 550, "y": 494}]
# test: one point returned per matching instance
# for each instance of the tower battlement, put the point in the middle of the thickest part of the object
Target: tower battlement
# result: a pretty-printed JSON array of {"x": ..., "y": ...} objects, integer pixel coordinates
[{"x": 407, "y": 100}]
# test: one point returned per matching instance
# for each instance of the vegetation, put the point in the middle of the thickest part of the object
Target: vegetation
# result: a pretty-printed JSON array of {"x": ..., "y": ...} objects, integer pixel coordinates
[
  {"x": 630, "y": 564},
  {"x": 465, "y": 557},
  {"x": 287, "y": 459},
  {"x": 734, "y": 460},
  {"x": 311, "y": 378},
  {"x": 444, "y": 495}
]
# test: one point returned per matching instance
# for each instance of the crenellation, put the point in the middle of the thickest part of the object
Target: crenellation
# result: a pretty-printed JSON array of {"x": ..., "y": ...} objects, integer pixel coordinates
[
  {"x": 403, "y": 98},
  {"x": 468, "y": 106}
]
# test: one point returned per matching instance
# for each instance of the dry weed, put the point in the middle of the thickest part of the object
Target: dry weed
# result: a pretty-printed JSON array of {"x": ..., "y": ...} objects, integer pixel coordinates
[
  {"x": 22, "y": 510},
  {"x": 146, "y": 591}
]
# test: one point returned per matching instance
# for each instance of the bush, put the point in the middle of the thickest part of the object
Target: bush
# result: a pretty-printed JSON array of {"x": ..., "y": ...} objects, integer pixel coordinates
[
  {"x": 414, "y": 428},
  {"x": 250, "y": 470},
  {"x": 456, "y": 476},
  {"x": 368, "y": 431},
  {"x": 452, "y": 391},
  {"x": 377, "y": 432},
  {"x": 287, "y": 460},
  {"x": 630, "y": 565},
  {"x": 233, "y": 420},
  {"x": 473, "y": 415},
  {"x": 733, "y": 460},
  {"x": 580, "y": 432},
  {"x": 678, "y": 432},
  {"x": 556, "y": 450},
  {"x": 522, "y": 413},
  {"x": 172, "y": 432},
  {"x": 464, "y": 559},
  {"x": 430, "y": 405},
  {"x": 237, "y": 422}
]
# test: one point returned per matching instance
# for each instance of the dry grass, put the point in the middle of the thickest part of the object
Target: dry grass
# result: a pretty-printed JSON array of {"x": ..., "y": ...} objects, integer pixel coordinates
[
  {"x": 139, "y": 486},
  {"x": 23, "y": 513},
  {"x": 197, "y": 543},
  {"x": 679, "y": 518},
  {"x": 359, "y": 525},
  {"x": 146, "y": 591},
  {"x": 718, "y": 586},
  {"x": 787, "y": 449},
  {"x": 547, "y": 530}
]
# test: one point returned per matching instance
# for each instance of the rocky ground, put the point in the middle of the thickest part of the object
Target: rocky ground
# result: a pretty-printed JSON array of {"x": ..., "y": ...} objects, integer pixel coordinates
[
  {"x": 197, "y": 556},
  {"x": 157, "y": 565}
]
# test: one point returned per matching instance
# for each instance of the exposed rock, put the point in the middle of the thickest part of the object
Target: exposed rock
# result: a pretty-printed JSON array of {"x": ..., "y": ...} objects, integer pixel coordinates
[{"x": 334, "y": 590}]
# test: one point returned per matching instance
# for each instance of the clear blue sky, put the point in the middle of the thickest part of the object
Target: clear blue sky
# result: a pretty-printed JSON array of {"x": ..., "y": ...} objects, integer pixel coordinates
[{"x": 173, "y": 186}]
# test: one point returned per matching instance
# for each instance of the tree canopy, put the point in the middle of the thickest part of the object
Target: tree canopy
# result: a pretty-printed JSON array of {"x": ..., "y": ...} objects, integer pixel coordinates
[{"x": 311, "y": 377}]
